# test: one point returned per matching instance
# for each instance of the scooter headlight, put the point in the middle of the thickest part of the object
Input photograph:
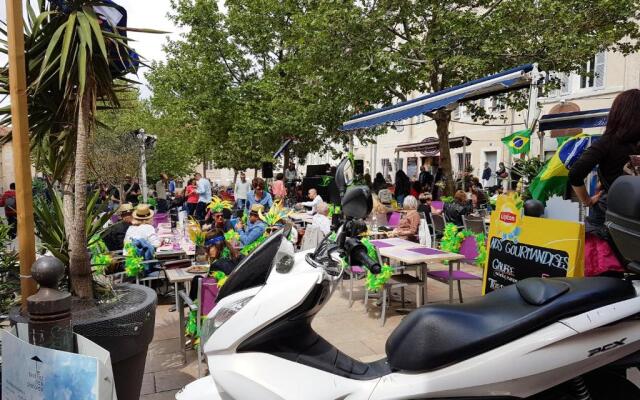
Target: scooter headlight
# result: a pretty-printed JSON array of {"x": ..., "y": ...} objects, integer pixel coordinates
[{"x": 223, "y": 315}]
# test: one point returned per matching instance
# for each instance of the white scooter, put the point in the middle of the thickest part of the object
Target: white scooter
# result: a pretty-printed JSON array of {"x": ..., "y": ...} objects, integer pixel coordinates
[{"x": 540, "y": 338}]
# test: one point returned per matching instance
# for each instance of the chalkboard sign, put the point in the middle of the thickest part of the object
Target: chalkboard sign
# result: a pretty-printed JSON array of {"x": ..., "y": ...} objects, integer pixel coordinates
[
  {"x": 510, "y": 262},
  {"x": 521, "y": 247}
]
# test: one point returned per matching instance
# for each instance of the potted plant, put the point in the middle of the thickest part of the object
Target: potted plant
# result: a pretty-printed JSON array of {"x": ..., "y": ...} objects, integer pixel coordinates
[{"x": 77, "y": 58}]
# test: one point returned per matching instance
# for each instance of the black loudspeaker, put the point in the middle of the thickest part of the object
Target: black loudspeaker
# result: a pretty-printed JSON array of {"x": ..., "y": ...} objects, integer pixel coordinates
[
  {"x": 267, "y": 170},
  {"x": 316, "y": 170},
  {"x": 358, "y": 167}
]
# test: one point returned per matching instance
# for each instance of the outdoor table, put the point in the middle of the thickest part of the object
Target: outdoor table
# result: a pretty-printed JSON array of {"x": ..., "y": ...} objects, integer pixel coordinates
[
  {"x": 418, "y": 256},
  {"x": 177, "y": 276},
  {"x": 301, "y": 217}
]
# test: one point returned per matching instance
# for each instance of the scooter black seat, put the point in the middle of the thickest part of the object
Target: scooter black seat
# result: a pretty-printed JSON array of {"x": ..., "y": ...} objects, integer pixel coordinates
[{"x": 435, "y": 336}]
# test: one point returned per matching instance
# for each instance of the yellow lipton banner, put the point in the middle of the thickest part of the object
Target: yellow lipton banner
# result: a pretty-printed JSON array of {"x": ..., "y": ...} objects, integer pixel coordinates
[{"x": 520, "y": 247}]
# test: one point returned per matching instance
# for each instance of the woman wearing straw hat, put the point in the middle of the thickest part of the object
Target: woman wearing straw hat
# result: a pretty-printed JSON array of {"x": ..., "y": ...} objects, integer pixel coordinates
[{"x": 142, "y": 228}]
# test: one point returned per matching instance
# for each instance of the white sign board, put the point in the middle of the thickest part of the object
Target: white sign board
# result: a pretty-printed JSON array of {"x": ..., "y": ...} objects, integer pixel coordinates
[{"x": 37, "y": 373}]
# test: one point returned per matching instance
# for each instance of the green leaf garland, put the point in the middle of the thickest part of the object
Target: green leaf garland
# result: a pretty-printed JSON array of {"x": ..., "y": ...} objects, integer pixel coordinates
[
  {"x": 452, "y": 239},
  {"x": 132, "y": 262}
]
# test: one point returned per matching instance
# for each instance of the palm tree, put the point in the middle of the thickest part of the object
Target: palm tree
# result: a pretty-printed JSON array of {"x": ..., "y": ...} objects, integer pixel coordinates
[{"x": 77, "y": 59}]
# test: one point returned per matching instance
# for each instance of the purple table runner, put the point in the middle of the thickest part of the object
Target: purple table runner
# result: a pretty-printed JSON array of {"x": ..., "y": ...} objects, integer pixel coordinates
[
  {"x": 380, "y": 244},
  {"x": 426, "y": 251}
]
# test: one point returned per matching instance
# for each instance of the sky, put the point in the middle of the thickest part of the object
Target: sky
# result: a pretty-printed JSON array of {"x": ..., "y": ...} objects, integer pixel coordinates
[{"x": 150, "y": 14}]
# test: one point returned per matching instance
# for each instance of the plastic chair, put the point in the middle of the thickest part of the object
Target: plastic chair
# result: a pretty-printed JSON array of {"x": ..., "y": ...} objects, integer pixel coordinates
[
  {"x": 205, "y": 302},
  {"x": 469, "y": 250},
  {"x": 311, "y": 239},
  {"x": 394, "y": 219},
  {"x": 397, "y": 281},
  {"x": 438, "y": 221},
  {"x": 474, "y": 224}
]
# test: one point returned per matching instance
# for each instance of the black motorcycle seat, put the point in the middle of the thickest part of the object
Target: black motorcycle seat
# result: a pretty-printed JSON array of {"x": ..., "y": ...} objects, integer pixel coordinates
[{"x": 435, "y": 336}]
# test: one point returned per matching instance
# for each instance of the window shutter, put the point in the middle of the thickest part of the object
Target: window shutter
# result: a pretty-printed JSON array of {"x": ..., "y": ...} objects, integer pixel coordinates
[
  {"x": 599, "y": 70},
  {"x": 564, "y": 84},
  {"x": 456, "y": 113}
]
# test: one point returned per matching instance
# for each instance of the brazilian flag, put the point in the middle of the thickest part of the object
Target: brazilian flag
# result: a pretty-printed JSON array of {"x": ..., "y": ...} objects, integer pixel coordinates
[
  {"x": 518, "y": 142},
  {"x": 554, "y": 176}
]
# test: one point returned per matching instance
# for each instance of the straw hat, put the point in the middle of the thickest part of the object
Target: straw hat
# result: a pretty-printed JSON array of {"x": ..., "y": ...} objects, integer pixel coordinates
[
  {"x": 125, "y": 208},
  {"x": 142, "y": 212},
  {"x": 256, "y": 208}
]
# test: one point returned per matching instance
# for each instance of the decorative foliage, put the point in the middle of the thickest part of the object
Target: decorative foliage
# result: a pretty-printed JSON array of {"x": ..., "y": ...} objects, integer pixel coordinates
[
  {"x": 334, "y": 210},
  {"x": 220, "y": 276},
  {"x": 217, "y": 205},
  {"x": 231, "y": 235},
  {"x": 132, "y": 262},
  {"x": 194, "y": 230},
  {"x": 446, "y": 199},
  {"x": 376, "y": 281},
  {"x": 9, "y": 271},
  {"x": 452, "y": 240},
  {"x": 276, "y": 214},
  {"x": 247, "y": 249}
]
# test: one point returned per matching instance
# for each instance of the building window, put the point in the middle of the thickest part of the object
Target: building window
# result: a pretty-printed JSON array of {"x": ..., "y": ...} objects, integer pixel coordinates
[
  {"x": 595, "y": 73},
  {"x": 386, "y": 167},
  {"x": 210, "y": 165},
  {"x": 497, "y": 104},
  {"x": 412, "y": 167},
  {"x": 399, "y": 163}
]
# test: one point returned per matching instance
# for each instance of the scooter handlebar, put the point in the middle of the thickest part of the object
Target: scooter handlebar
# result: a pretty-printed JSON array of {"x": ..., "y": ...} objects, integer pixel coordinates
[{"x": 359, "y": 256}]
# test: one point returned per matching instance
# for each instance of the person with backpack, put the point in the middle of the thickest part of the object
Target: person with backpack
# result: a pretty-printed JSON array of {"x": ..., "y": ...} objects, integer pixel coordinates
[{"x": 8, "y": 201}]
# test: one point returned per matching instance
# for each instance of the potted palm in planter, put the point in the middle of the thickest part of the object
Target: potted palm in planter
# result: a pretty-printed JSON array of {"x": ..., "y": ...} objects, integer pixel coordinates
[{"x": 77, "y": 59}]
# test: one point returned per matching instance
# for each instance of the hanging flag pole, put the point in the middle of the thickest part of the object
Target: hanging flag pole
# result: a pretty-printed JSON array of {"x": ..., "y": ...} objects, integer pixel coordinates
[{"x": 20, "y": 141}]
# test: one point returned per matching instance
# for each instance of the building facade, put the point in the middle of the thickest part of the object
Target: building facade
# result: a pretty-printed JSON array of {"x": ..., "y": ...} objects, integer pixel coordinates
[{"x": 613, "y": 73}]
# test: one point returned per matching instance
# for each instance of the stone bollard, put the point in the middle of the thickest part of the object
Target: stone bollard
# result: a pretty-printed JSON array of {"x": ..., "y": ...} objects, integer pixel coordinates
[{"x": 50, "y": 309}]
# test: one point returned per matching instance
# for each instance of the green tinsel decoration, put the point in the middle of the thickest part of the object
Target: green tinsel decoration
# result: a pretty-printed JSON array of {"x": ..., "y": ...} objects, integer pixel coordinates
[
  {"x": 252, "y": 246},
  {"x": 132, "y": 262},
  {"x": 226, "y": 254},
  {"x": 377, "y": 281},
  {"x": 452, "y": 240},
  {"x": 220, "y": 276},
  {"x": 334, "y": 210},
  {"x": 191, "y": 328},
  {"x": 231, "y": 235}
]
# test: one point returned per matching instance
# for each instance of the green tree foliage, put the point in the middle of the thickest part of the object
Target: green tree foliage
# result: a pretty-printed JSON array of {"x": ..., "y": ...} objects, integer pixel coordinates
[{"x": 267, "y": 70}]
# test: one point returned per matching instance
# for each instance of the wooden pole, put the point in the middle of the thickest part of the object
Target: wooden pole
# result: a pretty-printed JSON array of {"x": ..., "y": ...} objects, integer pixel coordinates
[{"x": 20, "y": 140}]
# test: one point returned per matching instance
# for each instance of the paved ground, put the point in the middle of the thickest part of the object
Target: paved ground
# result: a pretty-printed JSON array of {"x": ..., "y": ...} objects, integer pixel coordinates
[{"x": 353, "y": 330}]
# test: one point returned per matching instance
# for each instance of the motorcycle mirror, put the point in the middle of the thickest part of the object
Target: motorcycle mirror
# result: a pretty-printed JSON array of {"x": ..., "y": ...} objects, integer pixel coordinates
[{"x": 344, "y": 175}]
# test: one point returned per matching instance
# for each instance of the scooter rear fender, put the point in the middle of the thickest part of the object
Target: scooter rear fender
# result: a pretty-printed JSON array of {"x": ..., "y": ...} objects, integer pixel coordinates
[{"x": 202, "y": 389}]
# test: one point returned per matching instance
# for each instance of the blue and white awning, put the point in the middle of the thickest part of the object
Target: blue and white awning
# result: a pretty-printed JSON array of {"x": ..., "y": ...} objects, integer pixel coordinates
[
  {"x": 578, "y": 119},
  {"x": 506, "y": 81}
]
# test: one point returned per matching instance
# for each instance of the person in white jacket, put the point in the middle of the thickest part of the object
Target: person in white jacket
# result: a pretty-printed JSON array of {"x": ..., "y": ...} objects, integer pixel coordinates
[
  {"x": 240, "y": 191},
  {"x": 315, "y": 200}
]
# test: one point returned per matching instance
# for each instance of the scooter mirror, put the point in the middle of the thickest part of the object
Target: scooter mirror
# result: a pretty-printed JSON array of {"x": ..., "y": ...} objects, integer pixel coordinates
[{"x": 344, "y": 175}]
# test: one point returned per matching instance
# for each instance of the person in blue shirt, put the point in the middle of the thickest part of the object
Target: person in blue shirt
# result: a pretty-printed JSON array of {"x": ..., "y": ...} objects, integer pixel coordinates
[
  {"x": 259, "y": 196},
  {"x": 203, "y": 189},
  {"x": 172, "y": 185},
  {"x": 254, "y": 228}
]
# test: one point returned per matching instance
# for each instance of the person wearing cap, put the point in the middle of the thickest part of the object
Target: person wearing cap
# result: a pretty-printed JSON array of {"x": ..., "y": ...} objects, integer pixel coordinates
[
  {"x": 114, "y": 235},
  {"x": 142, "y": 228},
  {"x": 255, "y": 226}
]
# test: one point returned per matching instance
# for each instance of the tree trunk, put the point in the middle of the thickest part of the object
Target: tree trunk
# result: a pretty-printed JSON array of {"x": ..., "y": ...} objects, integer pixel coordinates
[
  {"x": 67, "y": 201},
  {"x": 442, "y": 128},
  {"x": 286, "y": 158},
  {"x": 80, "y": 268}
]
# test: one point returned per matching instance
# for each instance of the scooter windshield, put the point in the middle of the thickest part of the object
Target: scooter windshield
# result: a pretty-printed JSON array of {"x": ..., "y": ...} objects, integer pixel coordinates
[{"x": 255, "y": 269}]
